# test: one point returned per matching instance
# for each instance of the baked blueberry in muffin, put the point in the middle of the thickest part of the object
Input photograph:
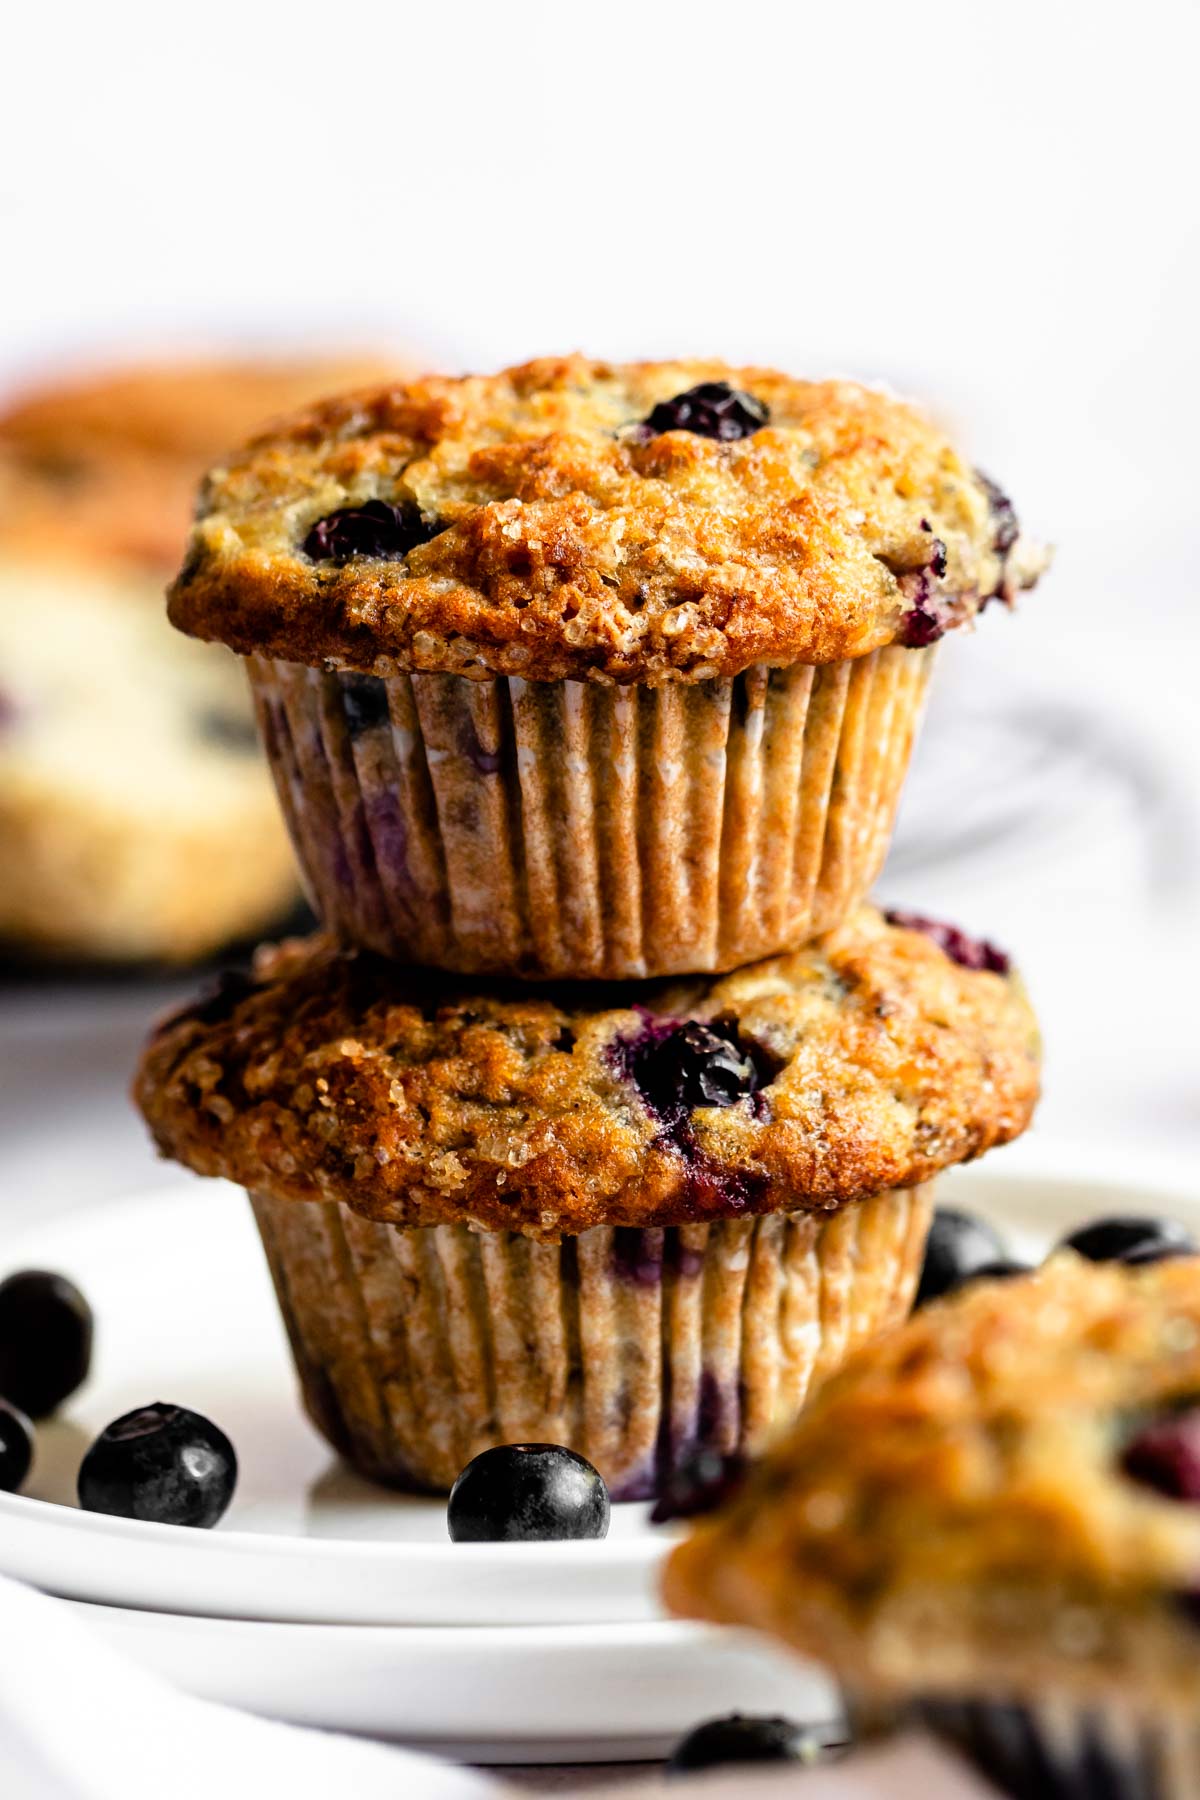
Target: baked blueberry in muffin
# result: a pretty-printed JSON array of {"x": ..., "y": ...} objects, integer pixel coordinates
[
  {"x": 991, "y": 1519},
  {"x": 652, "y": 643},
  {"x": 633, "y": 1222}
]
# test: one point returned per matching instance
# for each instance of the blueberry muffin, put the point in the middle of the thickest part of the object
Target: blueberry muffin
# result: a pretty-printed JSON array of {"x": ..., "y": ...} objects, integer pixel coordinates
[
  {"x": 990, "y": 1520},
  {"x": 107, "y": 463},
  {"x": 631, "y": 1222},
  {"x": 594, "y": 671},
  {"x": 137, "y": 818}
]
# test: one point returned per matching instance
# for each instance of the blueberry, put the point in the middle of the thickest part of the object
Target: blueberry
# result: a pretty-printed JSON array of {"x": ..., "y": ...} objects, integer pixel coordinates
[
  {"x": 967, "y": 952},
  {"x": 1005, "y": 528},
  {"x": 958, "y": 1244},
  {"x": 699, "y": 1483},
  {"x": 522, "y": 1493},
  {"x": 712, "y": 410},
  {"x": 16, "y": 1447},
  {"x": 745, "y": 1738},
  {"x": 45, "y": 1340},
  {"x": 374, "y": 529},
  {"x": 680, "y": 1066},
  {"x": 1003, "y": 1269},
  {"x": 160, "y": 1463},
  {"x": 1165, "y": 1455},
  {"x": 364, "y": 702},
  {"x": 1128, "y": 1239}
]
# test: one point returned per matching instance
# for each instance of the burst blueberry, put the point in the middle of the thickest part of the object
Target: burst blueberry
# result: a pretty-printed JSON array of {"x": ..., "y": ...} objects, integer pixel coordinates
[
  {"x": 164, "y": 1464},
  {"x": 46, "y": 1332},
  {"x": 527, "y": 1493},
  {"x": 680, "y": 1066},
  {"x": 746, "y": 1738},
  {"x": 375, "y": 529},
  {"x": 1005, "y": 529},
  {"x": 967, "y": 952},
  {"x": 1165, "y": 1455},
  {"x": 712, "y": 409}
]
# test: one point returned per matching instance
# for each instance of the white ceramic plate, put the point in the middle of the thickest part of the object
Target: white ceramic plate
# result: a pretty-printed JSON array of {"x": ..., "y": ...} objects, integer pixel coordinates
[
  {"x": 185, "y": 1313},
  {"x": 529, "y": 1693}
]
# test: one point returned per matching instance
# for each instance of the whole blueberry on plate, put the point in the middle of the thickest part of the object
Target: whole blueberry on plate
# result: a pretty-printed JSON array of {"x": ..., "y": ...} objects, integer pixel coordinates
[
  {"x": 163, "y": 1464},
  {"x": 746, "y": 1738},
  {"x": 45, "y": 1340},
  {"x": 1128, "y": 1239},
  {"x": 523, "y": 1493},
  {"x": 16, "y": 1447},
  {"x": 958, "y": 1247}
]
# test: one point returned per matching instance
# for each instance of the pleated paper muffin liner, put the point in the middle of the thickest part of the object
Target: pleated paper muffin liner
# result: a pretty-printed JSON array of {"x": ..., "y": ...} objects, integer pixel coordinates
[
  {"x": 418, "y": 1348},
  {"x": 566, "y": 829},
  {"x": 1056, "y": 1749}
]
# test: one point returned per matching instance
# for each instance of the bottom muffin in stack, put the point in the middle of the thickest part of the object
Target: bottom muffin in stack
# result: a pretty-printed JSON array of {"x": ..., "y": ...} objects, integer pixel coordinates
[
  {"x": 989, "y": 1523},
  {"x": 633, "y": 1229}
]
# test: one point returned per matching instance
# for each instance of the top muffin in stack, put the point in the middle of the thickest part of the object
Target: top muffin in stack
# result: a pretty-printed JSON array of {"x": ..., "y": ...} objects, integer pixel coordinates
[
  {"x": 594, "y": 671},
  {"x": 582, "y": 671}
]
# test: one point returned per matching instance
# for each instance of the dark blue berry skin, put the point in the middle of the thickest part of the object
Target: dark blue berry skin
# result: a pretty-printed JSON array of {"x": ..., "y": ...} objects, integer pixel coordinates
[
  {"x": 712, "y": 410},
  {"x": 46, "y": 1332},
  {"x": 1005, "y": 529},
  {"x": 1128, "y": 1239},
  {"x": 678, "y": 1067},
  {"x": 744, "y": 1738},
  {"x": 699, "y": 1484},
  {"x": 526, "y": 1493},
  {"x": 16, "y": 1448},
  {"x": 374, "y": 529},
  {"x": 163, "y": 1464},
  {"x": 958, "y": 1245},
  {"x": 1003, "y": 1269}
]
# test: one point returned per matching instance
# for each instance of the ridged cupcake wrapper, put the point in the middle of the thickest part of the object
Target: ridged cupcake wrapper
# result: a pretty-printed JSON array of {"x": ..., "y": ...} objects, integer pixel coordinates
[
  {"x": 1057, "y": 1750},
  {"x": 571, "y": 829},
  {"x": 418, "y": 1348}
]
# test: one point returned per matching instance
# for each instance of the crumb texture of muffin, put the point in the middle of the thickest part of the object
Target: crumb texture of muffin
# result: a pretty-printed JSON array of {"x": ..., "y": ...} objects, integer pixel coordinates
[
  {"x": 137, "y": 818},
  {"x": 992, "y": 1508},
  {"x": 579, "y": 520},
  {"x": 869, "y": 1061}
]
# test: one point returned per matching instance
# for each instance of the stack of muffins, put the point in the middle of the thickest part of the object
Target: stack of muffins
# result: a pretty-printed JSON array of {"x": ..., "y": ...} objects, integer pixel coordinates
[{"x": 603, "y": 1111}]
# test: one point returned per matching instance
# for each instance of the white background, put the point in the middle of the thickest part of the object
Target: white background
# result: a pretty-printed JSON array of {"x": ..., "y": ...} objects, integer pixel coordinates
[{"x": 994, "y": 207}]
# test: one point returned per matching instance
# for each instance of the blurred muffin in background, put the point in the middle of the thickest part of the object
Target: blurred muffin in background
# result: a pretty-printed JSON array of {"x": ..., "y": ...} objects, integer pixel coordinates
[{"x": 137, "y": 819}]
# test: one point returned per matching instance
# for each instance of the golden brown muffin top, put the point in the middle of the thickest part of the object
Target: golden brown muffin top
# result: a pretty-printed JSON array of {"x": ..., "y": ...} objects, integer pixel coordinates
[
  {"x": 955, "y": 1513},
  {"x": 108, "y": 463},
  {"x": 572, "y": 519},
  {"x": 868, "y": 1061}
]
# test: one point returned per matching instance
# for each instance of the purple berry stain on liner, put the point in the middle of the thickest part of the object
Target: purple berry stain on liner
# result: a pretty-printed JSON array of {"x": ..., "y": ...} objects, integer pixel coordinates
[
  {"x": 364, "y": 703},
  {"x": 375, "y": 529},
  {"x": 967, "y": 952},
  {"x": 713, "y": 409}
]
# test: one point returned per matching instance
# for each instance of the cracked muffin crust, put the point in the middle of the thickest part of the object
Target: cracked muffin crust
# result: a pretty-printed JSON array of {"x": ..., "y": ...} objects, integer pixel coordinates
[
  {"x": 579, "y": 520},
  {"x": 986, "y": 1503},
  {"x": 868, "y": 1061}
]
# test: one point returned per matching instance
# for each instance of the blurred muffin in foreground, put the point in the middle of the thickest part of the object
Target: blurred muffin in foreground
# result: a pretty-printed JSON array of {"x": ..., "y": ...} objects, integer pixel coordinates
[
  {"x": 137, "y": 820},
  {"x": 989, "y": 1520}
]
